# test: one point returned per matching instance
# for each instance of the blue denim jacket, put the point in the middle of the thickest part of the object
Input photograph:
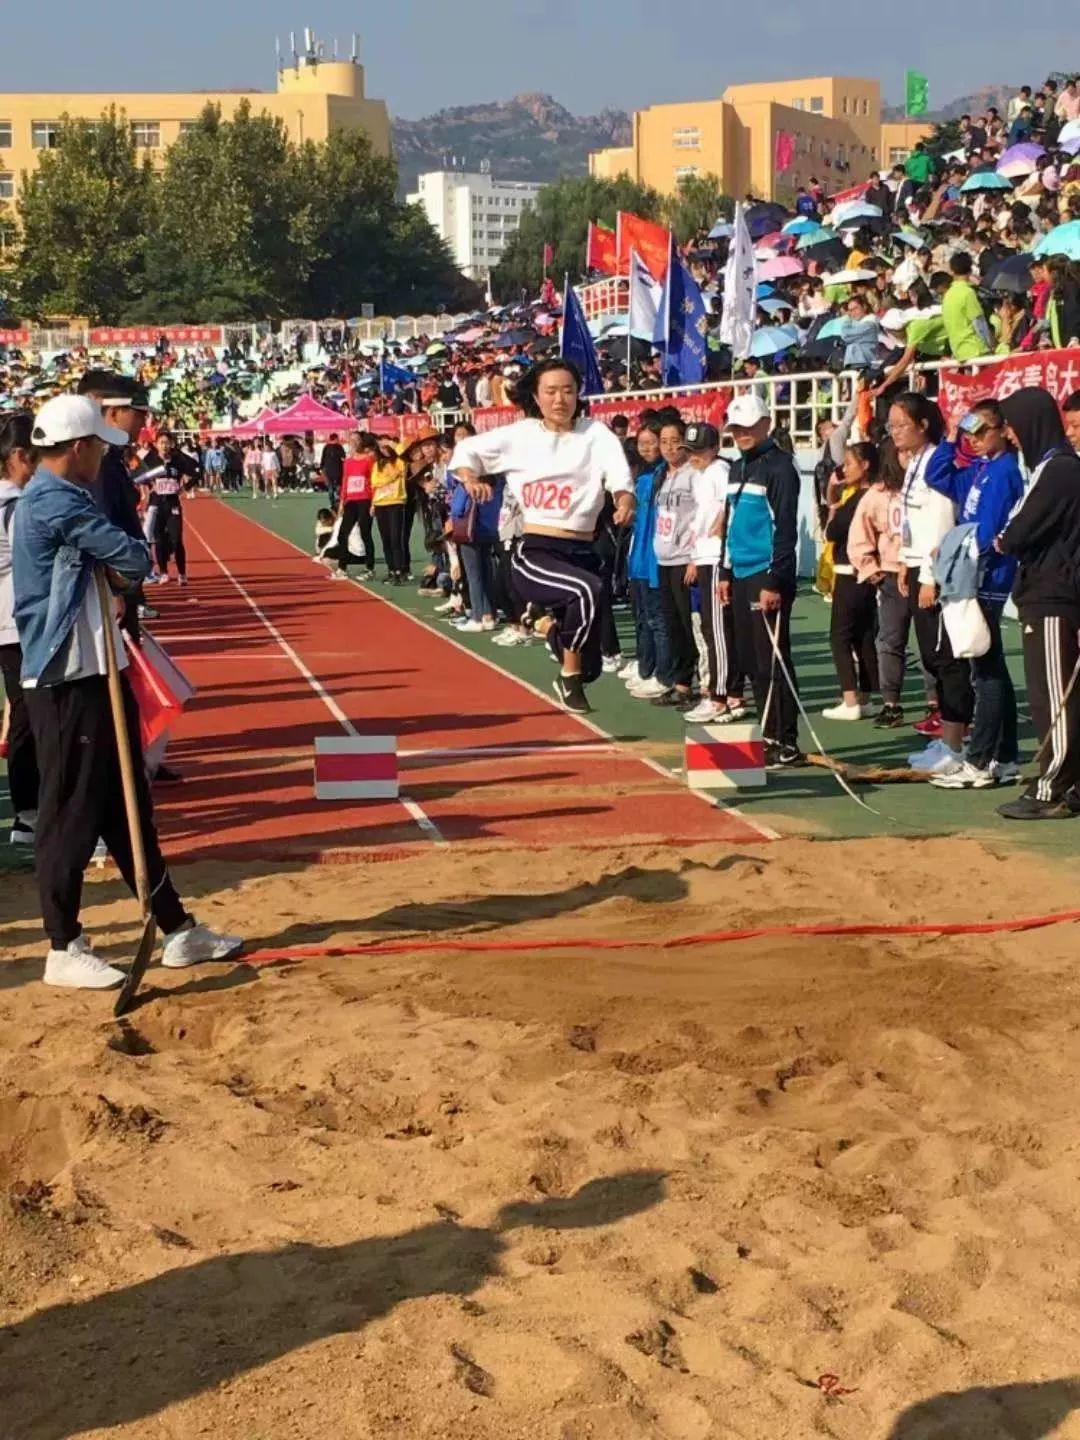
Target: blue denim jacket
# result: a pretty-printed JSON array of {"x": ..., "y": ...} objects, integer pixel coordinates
[{"x": 57, "y": 537}]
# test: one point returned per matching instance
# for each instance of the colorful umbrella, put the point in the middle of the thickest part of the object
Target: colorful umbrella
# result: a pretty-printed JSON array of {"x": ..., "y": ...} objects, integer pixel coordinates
[
  {"x": 775, "y": 306},
  {"x": 1069, "y": 133},
  {"x": 780, "y": 268},
  {"x": 721, "y": 231},
  {"x": 848, "y": 277},
  {"x": 831, "y": 329},
  {"x": 1020, "y": 160},
  {"x": 801, "y": 225},
  {"x": 817, "y": 236},
  {"x": 855, "y": 210},
  {"x": 985, "y": 180},
  {"x": 1063, "y": 240},
  {"x": 909, "y": 237}
]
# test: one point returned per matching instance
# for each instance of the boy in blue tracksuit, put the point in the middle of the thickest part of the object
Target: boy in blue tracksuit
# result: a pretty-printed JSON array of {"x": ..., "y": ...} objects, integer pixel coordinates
[
  {"x": 985, "y": 492},
  {"x": 761, "y": 537}
]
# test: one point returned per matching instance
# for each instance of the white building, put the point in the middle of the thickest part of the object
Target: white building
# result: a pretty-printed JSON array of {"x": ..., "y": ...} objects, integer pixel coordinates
[{"x": 475, "y": 214}]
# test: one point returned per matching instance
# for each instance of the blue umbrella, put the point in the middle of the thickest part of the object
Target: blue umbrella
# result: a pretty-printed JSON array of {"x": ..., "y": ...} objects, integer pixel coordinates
[
  {"x": 855, "y": 210},
  {"x": 817, "y": 236},
  {"x": 1062, "y": 240},
  {"x": 909, "y": 237},
  {"x": 771, "y": 339},
  {"x": 764, "y": 289},
  {"x": 831, "y": 329},
  {"x": 775, "y": 307},
  {"x": 801, "y": 225},
  {"x": 985, "y": 180},
  {"x": 721, "y": 231}
]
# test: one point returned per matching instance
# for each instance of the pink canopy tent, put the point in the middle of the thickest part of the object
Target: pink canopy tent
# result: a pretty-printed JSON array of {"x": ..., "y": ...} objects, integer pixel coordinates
[
  {"x": 307, "y": 413},
  {"x": 252, "y": 429}
]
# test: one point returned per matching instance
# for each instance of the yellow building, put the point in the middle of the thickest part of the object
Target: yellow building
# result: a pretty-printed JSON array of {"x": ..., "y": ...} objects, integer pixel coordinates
[
  {"x": 899, "y": 138},
  {"x": 834, "y": 123},
  {"x": 314, "y": 97}
]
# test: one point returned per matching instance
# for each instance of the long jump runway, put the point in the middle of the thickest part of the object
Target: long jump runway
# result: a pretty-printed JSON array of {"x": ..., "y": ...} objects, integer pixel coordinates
[{"x": 281, "y": 655}]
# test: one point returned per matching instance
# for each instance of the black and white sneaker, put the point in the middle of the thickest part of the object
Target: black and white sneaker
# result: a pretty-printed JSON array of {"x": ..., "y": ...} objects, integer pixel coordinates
[
  {"x": 782, "y": 757},
  {"x": 22, "y": 830},
  {"x": 571, "y": 694}
]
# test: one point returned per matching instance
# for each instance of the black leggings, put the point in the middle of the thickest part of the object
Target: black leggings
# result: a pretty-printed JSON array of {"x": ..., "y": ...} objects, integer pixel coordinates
[
  {"x": 391, "y": 521},
  {"x": 503, "y": 590},
  {"x": 675, "y": 598},
  {"x": 22, "y": 770},
  {"x": 355, "y": 512},
  {"x": 169, "y": 540},
  {"x": 952, "y": 677},
  {"x": 853, "y": 633},
  {"x": 563, "y": 576}
]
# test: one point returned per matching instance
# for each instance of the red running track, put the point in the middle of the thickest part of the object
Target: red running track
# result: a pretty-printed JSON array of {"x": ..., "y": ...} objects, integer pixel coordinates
[{"x": 281, "y": 655}]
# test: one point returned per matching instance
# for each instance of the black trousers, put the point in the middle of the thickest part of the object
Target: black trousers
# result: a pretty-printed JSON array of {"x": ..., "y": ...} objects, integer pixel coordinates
[
  {"x": 81, "y": 799},
  {"x": 504, "y": 592},
  {"x": 169, "y": 540},
  {"x": 563, "y": 576},
  {"x": 718, "y": 629},
  {"x": 391, "y": 520},
  {"x": 1051, "y": 650},
  {"x": 356, "y": 513},
  {"x": 952, "y": 677},
  {"x": 22, "y": 770},
  {"x": 853, "y": 634},
  {"x": 778, "y": 713},
  {"x": 678, "y": 618}
]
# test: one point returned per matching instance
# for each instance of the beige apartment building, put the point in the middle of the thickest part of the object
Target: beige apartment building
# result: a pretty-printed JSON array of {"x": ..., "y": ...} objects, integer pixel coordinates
[
  {"x": 314, "y": 97},
  {"x": 834, "y": 122}
]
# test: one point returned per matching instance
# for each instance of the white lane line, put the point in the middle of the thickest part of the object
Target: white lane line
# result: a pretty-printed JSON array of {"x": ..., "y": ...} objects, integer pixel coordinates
[
  {"x": 765, "y": 831},
  {"x": 414, "y": 811}
]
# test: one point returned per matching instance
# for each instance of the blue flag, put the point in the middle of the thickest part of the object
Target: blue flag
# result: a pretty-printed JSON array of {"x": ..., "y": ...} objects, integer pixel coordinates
[
  {"x": 682, "y": 327},
  {"x": 391, "y": 376},
  {"x": 577, "y": 343}
]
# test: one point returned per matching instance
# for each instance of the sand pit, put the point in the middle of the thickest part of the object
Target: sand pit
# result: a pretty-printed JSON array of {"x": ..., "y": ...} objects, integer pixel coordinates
[{"x": 581, "y": 1196}]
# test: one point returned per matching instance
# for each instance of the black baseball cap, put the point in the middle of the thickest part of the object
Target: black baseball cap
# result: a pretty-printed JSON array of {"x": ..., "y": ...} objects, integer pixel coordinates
[
  {"x": 701, "y": 437},
  {"x": 111, "y": 390}
]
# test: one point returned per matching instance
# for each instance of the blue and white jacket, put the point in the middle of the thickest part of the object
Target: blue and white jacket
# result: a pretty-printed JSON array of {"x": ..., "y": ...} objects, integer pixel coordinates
[
  {"x": 985, "y": 493},
  {"x": 761, "y": 529},
  {"x": 57, "y": 537}
]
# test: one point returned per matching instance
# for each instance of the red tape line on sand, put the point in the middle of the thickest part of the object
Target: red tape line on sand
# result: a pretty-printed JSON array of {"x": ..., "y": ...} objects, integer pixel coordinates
[{"x": 678, "y": 942}]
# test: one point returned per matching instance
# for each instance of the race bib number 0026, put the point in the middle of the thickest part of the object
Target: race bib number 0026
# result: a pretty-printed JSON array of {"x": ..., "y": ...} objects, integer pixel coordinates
[{"x": 546, "y": 495}]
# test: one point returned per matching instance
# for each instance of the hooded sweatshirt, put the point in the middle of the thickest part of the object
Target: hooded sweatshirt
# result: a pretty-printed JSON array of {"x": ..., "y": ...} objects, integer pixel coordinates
[
  {"x": 1043, "y": 531},
  {"x": 985, "y": 493}
]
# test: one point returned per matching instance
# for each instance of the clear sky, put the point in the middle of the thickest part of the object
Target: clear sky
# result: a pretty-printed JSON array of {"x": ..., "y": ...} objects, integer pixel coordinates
[{"x": 422, "y": 55}]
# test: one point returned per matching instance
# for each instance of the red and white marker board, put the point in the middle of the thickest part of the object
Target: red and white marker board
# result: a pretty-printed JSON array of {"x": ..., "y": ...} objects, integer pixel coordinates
[
  {"x": 356, "y": 767},
  {"x": 724, "y": 757}
]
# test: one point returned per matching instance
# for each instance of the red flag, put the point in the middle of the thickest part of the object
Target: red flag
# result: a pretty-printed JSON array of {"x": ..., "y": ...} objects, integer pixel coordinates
[
  {"x": 549, "y": 257},
  {"x": 603, "y": 254},
  {"x": 651, "y": 241},
  {"x": 785, "y": 151}
]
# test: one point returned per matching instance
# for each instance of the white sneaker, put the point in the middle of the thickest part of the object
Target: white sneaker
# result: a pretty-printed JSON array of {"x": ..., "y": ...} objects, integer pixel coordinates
[
  {"x": 101, "y": 854},
  {"x": 962, "y": 775},
  {"x": 78, "y": 968},
  {"x": 630, "y": 674},
  {"x": 1005, "y": 772},
  {"x": 469, "y": 627},
  {"x": 843, "y": 712},
  {"x": 22, "y": 828},
  {"x": 509, "y": 637},
  {"x": 338, "y": 575},
  {"x": 703, "y": 713},
  {"x": 649, "y": 689},
  {"x": 195, "y": 944},
  {"x": 488, "y": 626},
  {"x": 612, "y": 664},
  {"x": 936, "y": 759},
  {"x": 446, "y": 607}
]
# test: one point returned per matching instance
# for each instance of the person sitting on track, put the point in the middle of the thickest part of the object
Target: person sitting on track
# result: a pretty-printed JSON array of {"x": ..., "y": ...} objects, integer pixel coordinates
[{"x": 557, "y": 465}]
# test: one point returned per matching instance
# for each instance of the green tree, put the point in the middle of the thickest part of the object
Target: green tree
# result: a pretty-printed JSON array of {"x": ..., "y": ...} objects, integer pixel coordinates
[
  {"x": 698, "y": 203},
  {"x": 560, "y": 218},
  {"x": 234, "y": 238},
  {"x": 84, "y": 219},
  {"x": 944, "y": 138},
  {"x": 424, "y": 274}
]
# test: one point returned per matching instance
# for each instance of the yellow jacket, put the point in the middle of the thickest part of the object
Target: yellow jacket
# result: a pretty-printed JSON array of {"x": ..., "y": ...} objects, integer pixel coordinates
[{"x": 388, "y": 482}]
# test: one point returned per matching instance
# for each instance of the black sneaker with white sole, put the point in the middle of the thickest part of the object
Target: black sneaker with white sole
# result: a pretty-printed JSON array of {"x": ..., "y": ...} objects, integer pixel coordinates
[
  {"x": 570, "y": 693},
  {"x": 782, "y": 757}
]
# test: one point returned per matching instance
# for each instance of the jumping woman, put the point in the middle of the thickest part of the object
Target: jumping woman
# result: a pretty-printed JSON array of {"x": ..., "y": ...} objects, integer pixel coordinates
[{"x": 557, "y": 464}]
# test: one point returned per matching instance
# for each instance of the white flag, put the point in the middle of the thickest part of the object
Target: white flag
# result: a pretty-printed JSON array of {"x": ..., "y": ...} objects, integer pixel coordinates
[
  {"x": 646, "y": 297},
  {"x": 740, "y": 290}
]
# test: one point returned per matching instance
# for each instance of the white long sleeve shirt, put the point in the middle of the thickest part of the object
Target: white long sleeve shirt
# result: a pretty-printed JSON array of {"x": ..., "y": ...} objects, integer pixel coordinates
[
  {"x": 557, "y": 477},
  {"x": 926, "y": 519},
  {"x": 710, "y": 500}
]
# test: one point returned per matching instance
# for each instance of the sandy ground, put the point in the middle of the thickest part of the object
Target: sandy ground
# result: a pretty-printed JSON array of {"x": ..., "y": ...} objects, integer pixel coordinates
[{"x": 579, "y": 1196}]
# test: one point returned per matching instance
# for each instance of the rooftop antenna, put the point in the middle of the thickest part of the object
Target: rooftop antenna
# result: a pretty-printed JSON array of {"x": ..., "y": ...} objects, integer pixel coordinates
[
  {"x": 335, "y": 48},
  {"x": 309, "y": 43},
  {"x": 355, "y": 47},
  {"x": 277, "y": 50},
  {"x": 292, "y": 49}
]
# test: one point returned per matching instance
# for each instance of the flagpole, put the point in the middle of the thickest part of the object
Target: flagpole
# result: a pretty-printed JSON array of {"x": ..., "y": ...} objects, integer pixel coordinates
[
  {"x": 667, "y": 307},
  {"x": 629, "y": 314}
]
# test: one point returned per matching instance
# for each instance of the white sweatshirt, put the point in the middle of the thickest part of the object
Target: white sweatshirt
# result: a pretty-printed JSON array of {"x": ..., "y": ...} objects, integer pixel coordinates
[
  {"x": 557, "y": 478},
  {"x": 927, "y": 518},
  {"x": 710, "y": 500},
  {"x": 9, "y": 494}
]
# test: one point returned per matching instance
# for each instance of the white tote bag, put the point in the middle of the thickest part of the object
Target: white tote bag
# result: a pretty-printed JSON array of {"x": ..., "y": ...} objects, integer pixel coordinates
[{"x": 965, "y": 624}]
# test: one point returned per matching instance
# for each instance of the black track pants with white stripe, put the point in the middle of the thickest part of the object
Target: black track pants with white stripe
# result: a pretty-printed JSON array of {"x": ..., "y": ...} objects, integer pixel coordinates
[
  {"x": 563, "y": 576},
  {"x": 1051, "y": 650},
  {"x": 718, "y": 630}
]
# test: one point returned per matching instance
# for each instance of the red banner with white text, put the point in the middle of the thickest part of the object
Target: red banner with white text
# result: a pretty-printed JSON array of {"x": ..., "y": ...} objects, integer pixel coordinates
[
  {"x": 1057, "y": 371},
  {"x": 14, "y": 337},
  {"x": 149, "y": 334}
]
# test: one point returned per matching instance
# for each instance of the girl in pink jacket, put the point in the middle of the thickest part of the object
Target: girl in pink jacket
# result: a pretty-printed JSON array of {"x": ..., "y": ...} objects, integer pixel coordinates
[{"x": 874, "y": 554}]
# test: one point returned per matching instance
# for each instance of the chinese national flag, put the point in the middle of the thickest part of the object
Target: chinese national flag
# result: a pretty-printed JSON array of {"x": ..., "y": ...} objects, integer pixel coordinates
[
  {"x": 651, "y": 241},
  {"x": 602, "y": 253},
  {"x": 549, "y": 257}
]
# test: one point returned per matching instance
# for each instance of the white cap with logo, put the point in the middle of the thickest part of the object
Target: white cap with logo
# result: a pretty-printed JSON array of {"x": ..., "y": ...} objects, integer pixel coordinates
[
  {"x": 746, "y": 411},
  {"x": 73, "y": 417}
]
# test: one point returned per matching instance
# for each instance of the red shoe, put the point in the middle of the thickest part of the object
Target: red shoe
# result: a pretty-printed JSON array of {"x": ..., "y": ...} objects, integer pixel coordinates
[{"x": 931, "y": 725}]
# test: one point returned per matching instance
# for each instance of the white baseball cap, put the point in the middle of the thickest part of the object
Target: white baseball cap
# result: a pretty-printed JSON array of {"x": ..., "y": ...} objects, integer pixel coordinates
[
  {"x": 746, "y": 411},
  {"x": 73, "y": 417}
]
